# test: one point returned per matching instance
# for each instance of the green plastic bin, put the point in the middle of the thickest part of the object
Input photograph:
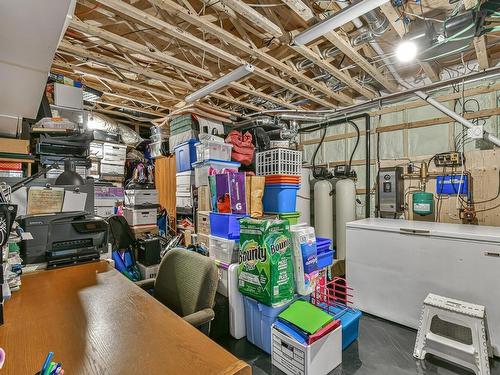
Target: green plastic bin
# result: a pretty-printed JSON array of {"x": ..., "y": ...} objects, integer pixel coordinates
[{"x": 292, "y": 217}]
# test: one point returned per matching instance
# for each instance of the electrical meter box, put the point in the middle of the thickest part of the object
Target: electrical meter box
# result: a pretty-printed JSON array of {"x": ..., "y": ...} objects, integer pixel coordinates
[{"x": 390, "y": 192}]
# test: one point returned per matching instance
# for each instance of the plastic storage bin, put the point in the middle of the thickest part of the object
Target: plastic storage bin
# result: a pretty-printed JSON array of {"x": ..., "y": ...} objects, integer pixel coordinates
[
  {"x": 292, "y": 357},
  {"x": 224, "y": 250},
  {"x": 225, "y": 225},
  {"x": 258, "y": 320},
  {"x": 280, "y": 198},
  {"x": 278, "y": 161},
  {"x": 323, "y": 244},
  {"x": 185, "y": 155},
  {"x": 213, "y": 150},
  {"x": 325, "y": 258},
  {"x": 349, "y": 318},
  {"x": 184, "y": 181},
  {"x": 146, "y": 216},
  {"x": 292, "y": 217},
  {"x": 202, "y": 169},
  {"x": 282, "y": 179},
  {"x": 203, "y": 222}
]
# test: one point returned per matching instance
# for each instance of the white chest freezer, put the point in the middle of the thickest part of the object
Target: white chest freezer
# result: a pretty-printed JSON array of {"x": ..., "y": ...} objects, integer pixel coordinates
[{"x": 393, "y": 264}]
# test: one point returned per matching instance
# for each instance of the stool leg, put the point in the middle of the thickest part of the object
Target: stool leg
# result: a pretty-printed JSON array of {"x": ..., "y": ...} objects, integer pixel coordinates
[
  {"x": 423, "y": 328},
  {"x": 480, "y": 344}
]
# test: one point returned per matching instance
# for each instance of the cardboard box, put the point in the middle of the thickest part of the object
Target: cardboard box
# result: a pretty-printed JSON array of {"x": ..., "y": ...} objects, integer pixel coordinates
[
  {"x": 148, "y": 272},
  {"x": 204, "y": 222},
  {"x": 15, "y": 146},
  {"x": 204, "y": 198},
  {"x": 142, "y": 231}
]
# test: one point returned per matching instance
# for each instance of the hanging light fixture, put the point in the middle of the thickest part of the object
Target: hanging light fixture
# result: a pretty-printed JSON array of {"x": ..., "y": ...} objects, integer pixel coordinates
[
  {"x": 235, "y": 75},
  {"x": 345, "y": 15}
]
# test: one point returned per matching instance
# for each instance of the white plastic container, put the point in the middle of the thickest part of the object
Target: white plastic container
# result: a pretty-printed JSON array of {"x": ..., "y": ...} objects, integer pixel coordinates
[
  {"x": 112, "y": 169},
  {"x": 177, "y": 139},
  {"x": 304, "y": 241},
  {"x": 140, "y": 197},
  {"x": 184, "y": 181},
  {"x": 96, "y": 150},
  {"x": 278, "y": 161},
  {"x": 95, "y": 169},
  {"x": 203, "y": 239},
  {"x": 207, "y": 149},
  {"x": 148, "y": 272},
  {"x": 114, "y": 154},
  {"x": 222, "y": 286},
  {"x": 141, "y": 216},
  {"x": 183, "y": 200},
  {"x": 237, "y": 326},
  {"x": 224, "y": 250},
  {"x": 294, "y": 358},
  {"x": 104, "y": 211},
  {"x": 204, "y": 222},
  {"x": 201, "y": 170},
  {"x": 155, "y": 149}
]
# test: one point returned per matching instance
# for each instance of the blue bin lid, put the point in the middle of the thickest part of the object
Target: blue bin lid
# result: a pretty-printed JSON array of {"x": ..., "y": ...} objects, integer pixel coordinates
[
  {"x": 191, "y": 141},
  {"x": 228, "y": 163}
]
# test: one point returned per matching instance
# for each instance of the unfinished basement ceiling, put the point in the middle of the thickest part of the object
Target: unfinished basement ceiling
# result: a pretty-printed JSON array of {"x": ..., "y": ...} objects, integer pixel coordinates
[{"x": 145, "y": 56}]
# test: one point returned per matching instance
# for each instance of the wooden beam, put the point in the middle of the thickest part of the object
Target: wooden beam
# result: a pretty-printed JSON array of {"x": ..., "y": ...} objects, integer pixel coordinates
[
  {"x": 273, "y": 99},
  {"x": 68, "y": 67},
  {"x": 254, "y": 17},
  {"x": 135, "y": 99},
  {"x": 481, "y": 52},
  {"x": 246, "y": 47},
  {"x": 397, "y": 24},
  {"x": 356, "y": 57},
  {"x": 301, "y": 9},
  {"x": 131, "y": 108},
  {"x": 137, "y": 47},
  {"x": 228, "y": 99},
  {"x": 320, "y": 62},
  {"x": 110, "y": 61}
]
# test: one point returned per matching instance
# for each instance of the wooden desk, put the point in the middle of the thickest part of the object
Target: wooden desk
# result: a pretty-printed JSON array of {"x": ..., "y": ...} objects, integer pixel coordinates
[{"x": 98, "y": 322}]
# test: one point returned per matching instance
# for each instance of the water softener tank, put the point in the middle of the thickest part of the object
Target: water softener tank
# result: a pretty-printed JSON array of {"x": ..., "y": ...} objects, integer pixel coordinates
[
  {"x": 323, "y": 209},
  {"x": 423, "y": 203},
  {"x": 345, "y": 211}
]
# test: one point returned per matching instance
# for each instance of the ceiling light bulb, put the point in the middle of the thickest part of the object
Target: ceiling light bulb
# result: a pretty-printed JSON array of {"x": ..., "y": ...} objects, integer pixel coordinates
[{"x": 406, "y": 51}]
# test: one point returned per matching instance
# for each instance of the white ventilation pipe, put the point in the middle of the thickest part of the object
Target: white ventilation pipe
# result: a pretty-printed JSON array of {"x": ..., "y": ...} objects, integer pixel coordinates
[{"x": 433, "y": 102}]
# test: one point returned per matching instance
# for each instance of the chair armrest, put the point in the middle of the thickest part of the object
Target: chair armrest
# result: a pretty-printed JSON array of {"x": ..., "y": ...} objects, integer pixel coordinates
[
  {"x": 200, "y": 317},
  {"x": 146, "y": 284}
]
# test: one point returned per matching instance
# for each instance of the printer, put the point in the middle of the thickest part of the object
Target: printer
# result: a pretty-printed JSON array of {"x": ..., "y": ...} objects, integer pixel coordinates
[{"x": 63, "y": 238}]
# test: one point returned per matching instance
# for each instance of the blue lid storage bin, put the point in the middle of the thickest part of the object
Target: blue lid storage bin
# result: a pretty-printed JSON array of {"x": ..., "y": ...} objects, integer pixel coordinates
[
  {"x": 225, "y": 225},
  {"x": 258, "y": 321},
  {"x": 323, "y": 244},
  {"x": 349, "y": 319},
  {"x": 325, "y": 258},
  {"x": 280, "y": 198},
  {"x": 185, "y": 154}
]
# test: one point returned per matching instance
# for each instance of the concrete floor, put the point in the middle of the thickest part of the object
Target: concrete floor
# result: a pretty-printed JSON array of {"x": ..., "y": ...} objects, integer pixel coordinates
[{"x": 383, "y": 348}]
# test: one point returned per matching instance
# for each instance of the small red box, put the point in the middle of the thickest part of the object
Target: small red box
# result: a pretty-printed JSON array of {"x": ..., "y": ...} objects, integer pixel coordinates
[{"x": 6, "y": 166}]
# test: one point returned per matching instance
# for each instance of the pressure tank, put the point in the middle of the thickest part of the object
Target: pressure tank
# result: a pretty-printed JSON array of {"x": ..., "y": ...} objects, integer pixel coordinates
[
  {"x": 323, "y": 209},
  {"x": 423, "y": 203},
  {"x": 304, "y": 197},
  {"x": 345, "y": 211}
]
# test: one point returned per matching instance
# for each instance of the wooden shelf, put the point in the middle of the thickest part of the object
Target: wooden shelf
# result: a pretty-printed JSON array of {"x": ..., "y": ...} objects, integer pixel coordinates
[{"x": 28, "y": 163}]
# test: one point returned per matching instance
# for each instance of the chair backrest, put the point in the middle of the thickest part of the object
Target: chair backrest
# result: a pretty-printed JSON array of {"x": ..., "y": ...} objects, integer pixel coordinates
[
  {"x": 121, "y": 235},
  {"x": 186, "y": 282}
]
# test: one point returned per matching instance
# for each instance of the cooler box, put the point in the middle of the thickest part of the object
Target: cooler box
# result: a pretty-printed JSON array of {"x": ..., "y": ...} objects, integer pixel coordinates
[
  {"x": 258, "y": 320},
  {"x": 185, "y": 155}
]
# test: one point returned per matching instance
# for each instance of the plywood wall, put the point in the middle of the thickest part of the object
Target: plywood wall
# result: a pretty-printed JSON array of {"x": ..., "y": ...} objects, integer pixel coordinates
[{"x": 166, "y": 184}]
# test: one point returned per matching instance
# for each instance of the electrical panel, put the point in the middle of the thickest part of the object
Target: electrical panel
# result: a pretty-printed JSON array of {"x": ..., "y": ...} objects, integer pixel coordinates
[
  {"x": 390, "y": 191},
  {"x": 449, "y": 159}
]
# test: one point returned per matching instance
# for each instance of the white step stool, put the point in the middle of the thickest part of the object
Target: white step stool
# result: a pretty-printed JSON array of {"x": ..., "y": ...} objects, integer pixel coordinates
[{"x": 458, "y": 315}]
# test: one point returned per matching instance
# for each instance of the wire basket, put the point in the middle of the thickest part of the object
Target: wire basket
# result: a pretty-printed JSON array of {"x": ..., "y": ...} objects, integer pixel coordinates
[
  {"x": 334, "y": 297},
  {"x": 278, "y": 161}
]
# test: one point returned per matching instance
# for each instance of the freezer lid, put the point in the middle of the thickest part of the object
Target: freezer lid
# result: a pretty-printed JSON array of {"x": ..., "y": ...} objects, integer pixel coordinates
[{"x": 457, "y": 231}]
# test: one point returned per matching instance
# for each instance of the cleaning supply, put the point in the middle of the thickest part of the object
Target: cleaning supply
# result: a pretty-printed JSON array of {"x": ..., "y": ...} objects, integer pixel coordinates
[
  {"x": 265, "y": 261},
  {"x": 305, "y": 258}
]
